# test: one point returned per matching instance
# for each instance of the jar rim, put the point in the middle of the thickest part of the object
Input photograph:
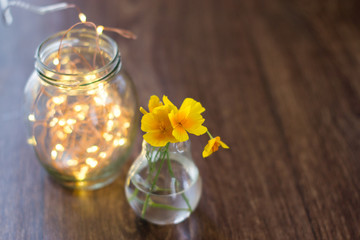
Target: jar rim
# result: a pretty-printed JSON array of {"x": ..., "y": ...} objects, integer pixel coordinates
[{"x": 44, "y": 69}]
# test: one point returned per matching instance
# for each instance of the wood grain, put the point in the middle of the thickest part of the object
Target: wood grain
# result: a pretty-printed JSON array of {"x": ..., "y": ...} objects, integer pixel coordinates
[{"x": 280, "y": 82}]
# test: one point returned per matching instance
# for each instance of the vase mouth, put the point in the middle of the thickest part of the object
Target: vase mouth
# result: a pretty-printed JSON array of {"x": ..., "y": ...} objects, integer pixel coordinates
[
  {"x": 173, "y": 147},
  {"x": 86, "y": 41}
]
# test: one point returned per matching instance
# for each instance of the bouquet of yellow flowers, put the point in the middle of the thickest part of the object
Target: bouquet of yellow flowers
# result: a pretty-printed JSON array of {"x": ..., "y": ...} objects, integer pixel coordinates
[
  {"x": 166, "y": 123},
  {"x": 168, "y": 194}
]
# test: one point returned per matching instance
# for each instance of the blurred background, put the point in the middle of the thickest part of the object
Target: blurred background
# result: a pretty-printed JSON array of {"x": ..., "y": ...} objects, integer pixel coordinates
[{"x": 280, "y": 82}]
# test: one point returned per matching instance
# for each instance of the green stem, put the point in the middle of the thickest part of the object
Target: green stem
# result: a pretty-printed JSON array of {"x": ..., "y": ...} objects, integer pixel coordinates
[
  {"x": 211, "y": 137},
  {"x": 157, "y": 205},
  {"x": 133, "y": 195},
  {"x": 176, "y": 181},
  {"x": 162, "y": 159}
]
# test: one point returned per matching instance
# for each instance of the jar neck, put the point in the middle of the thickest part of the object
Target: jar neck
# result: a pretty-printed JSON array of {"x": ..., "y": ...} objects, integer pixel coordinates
[{"x": 83, "y": 59}]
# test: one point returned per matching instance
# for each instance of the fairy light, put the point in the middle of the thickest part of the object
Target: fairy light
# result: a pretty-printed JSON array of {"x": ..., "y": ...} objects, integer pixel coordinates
[
  {"x": 77, "y": 108},
  {"x": 80, "y": 133},
  {"x": 82, "y": 17},
  {"x": 117, "y": 111},
  {"x": 67, "y": 129},
  {"x": 31, "y": 117},
  {"x": 81, "y": 175},
  {"x": 80, "y": 116},
  {"x": 59, "y": 147},
  {"x": 71, "y": 121},
  {"x": 53, "y": 122},
  {"x": 100, "y": 29},
  {"x": 90, "y": 77},
  {"x": 72, "y": 162},
  {"x": 53, "y": 154},
  {"x": 108, "y": 137},
  {"x": 111, "y": 116},
  {"x": 59, "y": 100},
  {"x": 122, "y": 141},
  {"x": 56, "y": 61},
  {"x": 116, "y": 142},
  {"x": 62, "y": 122},
  {"x": 110, "y": 125},
  {"x": 31, "y": 141},
  {"x": 92, "y": 149},
  {"x": 91, "y": 162}
]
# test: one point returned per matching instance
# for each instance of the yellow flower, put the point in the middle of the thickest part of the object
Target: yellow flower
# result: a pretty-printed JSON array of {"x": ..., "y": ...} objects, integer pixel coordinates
[
  {"x": 157, "y": 126},
  {"x": 187, "y": 119},
  {"x": 213, "y": 146},
  {"x": 153, "y": 103}
]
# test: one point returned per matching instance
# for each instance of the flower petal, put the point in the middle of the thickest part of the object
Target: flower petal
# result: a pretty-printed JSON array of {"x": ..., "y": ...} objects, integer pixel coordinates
[
  {"x": 197, "y": 131},
  {"x": 143, "y": 111},
  {"x": 155, "y": 139},
  {"x": 149, "y": 123},
  {"x": 196, "y": 107},
  {"x": 180, "y": 134},
  {"x": 168, "y": 103},
  {"x": 223, "y": 145},
  {"x": 208, "y": 148},
  {"x": 154, "y": 102}
]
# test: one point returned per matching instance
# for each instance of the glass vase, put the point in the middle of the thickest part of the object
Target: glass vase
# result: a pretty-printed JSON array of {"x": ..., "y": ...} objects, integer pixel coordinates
[
  {"x": 163, "y": 185},
  {"x": 81, "y": 109}
]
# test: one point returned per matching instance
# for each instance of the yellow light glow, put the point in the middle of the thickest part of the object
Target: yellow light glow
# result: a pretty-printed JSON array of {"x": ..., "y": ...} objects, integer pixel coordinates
[
  {"x": 56, "y": 61},
  {"x": 31, "y": 117},
  {"x": 102, "y": 154},
  {"x": 31, "y": 141},
  {"x": 82, "y": 17},
  {"x": 77, "y": 108},
  {"x": 59, "y": 147},
  {"x": 62, "y": 122},
  {"x": 72, "y": 162},
  {"x": 60, "y": 135},
  {"x": 53, "y": 154},
  {"x": 71, "y": 121},
  {"x": 111, "y": 116},
  {"x": 91, "y": 162},
  {"x": 53, "y": 122},
  {"x": 100, "y": 86},
  {"x": 99, "y": 101},
  {"x": 122, "y": 141},
  {"x": 116, "y": 142},
  {"x": 100, "y": 29},
  {"x": 117, "y": 110},
  {"x": 108, "y": 137},
  {"x": 90, "y": 77},
  {"x": 59, "y": 99},
  {"x": 126, "y": 125},
  {"x": 82, "y": 173},
  {"x": 81, "y": 116},
  {"x": 92, "y": 149},
  {"x": 67, "y": 129},
  {"x": 90, "y": 92},
  {"x": 110, "y": 125}
]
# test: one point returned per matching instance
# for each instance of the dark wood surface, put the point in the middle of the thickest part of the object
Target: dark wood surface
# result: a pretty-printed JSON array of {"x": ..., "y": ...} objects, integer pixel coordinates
[{"x": 281, "y": 84}]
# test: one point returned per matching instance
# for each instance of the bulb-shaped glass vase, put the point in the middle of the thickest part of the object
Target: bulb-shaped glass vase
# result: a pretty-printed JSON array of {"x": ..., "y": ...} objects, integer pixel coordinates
[{"x": 163, "y": 185}]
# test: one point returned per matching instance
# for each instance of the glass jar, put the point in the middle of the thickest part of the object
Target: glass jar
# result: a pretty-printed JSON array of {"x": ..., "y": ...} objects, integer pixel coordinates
[
  {"x": 81, "y": 109},
  {"x": 163, "y": 185}
]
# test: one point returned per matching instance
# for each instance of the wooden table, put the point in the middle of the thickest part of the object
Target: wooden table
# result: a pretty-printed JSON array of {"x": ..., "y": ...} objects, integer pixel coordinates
[{"x": 281, "y": 84}]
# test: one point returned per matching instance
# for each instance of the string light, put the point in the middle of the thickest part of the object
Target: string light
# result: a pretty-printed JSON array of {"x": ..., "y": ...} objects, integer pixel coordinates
[
  {"x": 92, "y": 149},
  {"x": 80, "y": 133},
  {"x": 91, "y": 162},
  {"x": 31, "y": 117},
  {"x": 56, "y": 61},
  {"x": 82, "y": 17}
]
